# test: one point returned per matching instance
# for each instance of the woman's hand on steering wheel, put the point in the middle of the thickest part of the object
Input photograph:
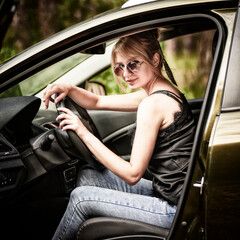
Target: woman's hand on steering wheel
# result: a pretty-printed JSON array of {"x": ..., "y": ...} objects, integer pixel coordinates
[
  {"x": 60, "y": 88},
  {"x": 70, "y": 121},
  {"x": 76, "y": 130}
]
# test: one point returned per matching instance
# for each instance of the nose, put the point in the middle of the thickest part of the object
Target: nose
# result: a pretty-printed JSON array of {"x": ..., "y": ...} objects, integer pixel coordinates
[{"x": 126, "y": 72}]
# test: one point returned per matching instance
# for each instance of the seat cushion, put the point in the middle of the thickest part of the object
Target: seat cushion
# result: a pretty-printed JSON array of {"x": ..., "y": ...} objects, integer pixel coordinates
[{"x": 119, "y": 228}]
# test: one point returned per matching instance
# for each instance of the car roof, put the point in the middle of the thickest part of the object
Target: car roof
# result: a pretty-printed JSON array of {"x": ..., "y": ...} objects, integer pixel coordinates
[{"x": 135, "y": 2}]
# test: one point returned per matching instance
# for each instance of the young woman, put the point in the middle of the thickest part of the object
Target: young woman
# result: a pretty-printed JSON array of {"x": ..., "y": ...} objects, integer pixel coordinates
[{"x": 162, "y": 141}]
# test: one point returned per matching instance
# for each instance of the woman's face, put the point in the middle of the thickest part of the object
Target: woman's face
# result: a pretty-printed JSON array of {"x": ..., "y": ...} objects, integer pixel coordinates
[{"x": 141, "y": 75}]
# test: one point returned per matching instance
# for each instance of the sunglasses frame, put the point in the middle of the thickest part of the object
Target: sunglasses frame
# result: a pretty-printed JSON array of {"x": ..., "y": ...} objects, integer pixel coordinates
[{"x": 122, "y": 68}]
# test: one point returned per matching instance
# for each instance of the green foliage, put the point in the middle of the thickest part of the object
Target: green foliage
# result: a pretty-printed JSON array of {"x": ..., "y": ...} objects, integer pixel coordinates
[
  {"x": 107, "y": 79},
  {"x": 185, "y": 71},
  {"x": 13, "y": 91},
  {"x": 7, "y": 53},
  {"x": 36, "y": 20}
]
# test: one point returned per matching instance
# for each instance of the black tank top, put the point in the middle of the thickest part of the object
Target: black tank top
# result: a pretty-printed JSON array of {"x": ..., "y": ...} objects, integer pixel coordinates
[{"x": 169, "y": 162}]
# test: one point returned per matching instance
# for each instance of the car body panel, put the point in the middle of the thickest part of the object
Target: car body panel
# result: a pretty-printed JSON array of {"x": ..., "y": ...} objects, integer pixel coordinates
[
  {"x": 214, "y": 165},
  {"x": 195, "y": 224},
  {"x": 215, "y": 106},
  {"x": 222, "y": 176},
  {"x": 231, "y": 101},
  {"x": 222, "y": 191}
]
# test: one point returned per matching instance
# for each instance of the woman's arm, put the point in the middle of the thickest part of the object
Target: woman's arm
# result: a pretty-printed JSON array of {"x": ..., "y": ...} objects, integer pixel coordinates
[
  {"x": 88, "y": 100},
  {"x": 148, "y": 123}
]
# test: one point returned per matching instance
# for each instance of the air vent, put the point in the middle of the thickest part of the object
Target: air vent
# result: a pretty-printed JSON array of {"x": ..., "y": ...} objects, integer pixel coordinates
[
  {"x": 6, "y": 150},
  {"x": 4, "y": 147}
]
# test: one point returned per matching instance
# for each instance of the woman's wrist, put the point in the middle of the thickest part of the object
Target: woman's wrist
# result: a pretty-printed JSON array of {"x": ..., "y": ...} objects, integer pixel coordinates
[
  {"x": 83, "y": 133},
  {"x": 69, "y": 88},
  {"x": 86, "y": 137}
]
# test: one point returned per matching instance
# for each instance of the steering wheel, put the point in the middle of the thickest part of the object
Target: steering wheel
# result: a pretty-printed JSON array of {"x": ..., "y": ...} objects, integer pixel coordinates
[{"x": 70, "y": 141}]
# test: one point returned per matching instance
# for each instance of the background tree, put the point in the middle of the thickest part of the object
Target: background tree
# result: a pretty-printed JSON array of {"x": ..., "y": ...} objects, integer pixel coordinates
[{"x": 36, "y": 20}]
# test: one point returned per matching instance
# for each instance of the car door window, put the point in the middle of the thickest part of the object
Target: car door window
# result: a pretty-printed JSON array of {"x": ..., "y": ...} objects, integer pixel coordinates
[
  {"x": 190, "y": 59},
  {"x": 38, "y": 81}
]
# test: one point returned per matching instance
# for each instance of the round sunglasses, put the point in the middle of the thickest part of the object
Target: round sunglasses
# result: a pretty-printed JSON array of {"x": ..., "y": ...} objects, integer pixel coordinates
[{"x": 132, "y": 67}]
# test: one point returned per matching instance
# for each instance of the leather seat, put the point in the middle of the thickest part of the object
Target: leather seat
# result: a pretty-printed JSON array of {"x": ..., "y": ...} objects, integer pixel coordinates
[{"x": 118, "y": 228}]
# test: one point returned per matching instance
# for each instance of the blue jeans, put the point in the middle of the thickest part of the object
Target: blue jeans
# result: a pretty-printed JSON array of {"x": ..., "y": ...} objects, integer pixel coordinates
[{"x": 101, "y": 193}]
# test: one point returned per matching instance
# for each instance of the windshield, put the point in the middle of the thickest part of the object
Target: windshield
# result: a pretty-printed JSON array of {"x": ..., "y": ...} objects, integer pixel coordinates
[{"x": 40, "y": 80}]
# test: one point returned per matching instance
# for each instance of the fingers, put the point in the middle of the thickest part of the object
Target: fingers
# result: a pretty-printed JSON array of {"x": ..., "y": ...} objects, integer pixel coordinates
[
  {"x": 67, "y": 118},
  {"x": 59, "y": 97},
  {"x": 47, "y": 95},
  {"x": 69, "y": 121},
  {"x": 66, "y": 124},
  {"x": 65, "y": 110},
  {"x": 53, "y": 89},
  {"x": 65, "y": 121}
]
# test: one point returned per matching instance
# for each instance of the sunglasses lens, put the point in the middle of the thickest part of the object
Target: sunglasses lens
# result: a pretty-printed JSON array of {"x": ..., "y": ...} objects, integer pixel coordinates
[
  {"x": 132, "y": 66},
  {"x": 118, "y": 70}
]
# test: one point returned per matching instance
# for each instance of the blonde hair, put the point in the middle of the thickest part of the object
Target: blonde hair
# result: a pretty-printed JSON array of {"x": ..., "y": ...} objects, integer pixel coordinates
[{"x": 143, "y": 45}]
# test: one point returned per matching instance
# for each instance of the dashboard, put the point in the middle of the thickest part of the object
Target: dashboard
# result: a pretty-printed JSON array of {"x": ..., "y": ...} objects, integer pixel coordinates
[
  {"x": 16, "y": 118},
  {"x": 31, "y": 145}
]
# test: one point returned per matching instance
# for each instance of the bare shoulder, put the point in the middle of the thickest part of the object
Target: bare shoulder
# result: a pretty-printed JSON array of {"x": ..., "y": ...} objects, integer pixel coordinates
[
  {"x": 158, "y": 102},
  {"x": 159, "y": 106},
  {"x": 151, "y": 107}
]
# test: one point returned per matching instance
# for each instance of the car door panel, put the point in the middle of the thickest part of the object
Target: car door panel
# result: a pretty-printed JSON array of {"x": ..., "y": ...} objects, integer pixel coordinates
[
  {"x": 115, "y": 127},
  {"x": 222, "y": 172}
]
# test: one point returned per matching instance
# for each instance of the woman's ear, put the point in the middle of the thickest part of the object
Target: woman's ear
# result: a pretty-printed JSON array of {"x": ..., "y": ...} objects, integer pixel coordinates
[{"x": 156, "y": 59}]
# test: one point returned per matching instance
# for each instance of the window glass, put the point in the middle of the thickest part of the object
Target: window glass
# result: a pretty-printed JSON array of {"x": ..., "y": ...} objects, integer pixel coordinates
[
  {"x": 40, "y": 80},
  {"x": 190, "y": 59},
  {"x": 107, "y": 79}
]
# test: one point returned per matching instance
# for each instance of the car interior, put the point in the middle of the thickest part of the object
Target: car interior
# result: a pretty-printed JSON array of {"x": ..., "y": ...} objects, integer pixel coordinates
[{"x": 39, "y": 163}]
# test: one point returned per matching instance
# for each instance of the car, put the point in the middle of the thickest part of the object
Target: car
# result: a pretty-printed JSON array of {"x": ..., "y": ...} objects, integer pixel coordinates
[{"x": 39, "y": 163}]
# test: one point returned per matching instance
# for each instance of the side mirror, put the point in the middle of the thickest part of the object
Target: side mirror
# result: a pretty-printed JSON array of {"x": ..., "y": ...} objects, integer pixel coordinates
[{"x": 95, "y": 87}]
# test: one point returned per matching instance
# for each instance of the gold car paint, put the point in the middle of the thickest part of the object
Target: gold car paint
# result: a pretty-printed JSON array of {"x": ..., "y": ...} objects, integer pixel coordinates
[
  {"x": 223, "y": 177},
  {"x": 193, "y": 221},
  {"x": 217, "y": 97},
  {"x": 221, "y": 156}
]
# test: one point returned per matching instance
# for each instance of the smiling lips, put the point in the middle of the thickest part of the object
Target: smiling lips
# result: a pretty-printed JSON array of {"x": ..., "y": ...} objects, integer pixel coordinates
[{"x": 130, "y": 81}]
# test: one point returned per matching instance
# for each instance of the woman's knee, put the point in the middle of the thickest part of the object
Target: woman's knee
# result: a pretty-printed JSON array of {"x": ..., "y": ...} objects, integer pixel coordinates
[
  {"x": 78, "y": 192},
  {"x": 79, "y": 195}
]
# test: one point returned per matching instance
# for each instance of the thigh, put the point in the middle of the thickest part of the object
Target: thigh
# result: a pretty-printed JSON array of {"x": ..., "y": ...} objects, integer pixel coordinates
[
  {"x": 88, "y": 176},
  {"x": 95, "y": 202}
]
